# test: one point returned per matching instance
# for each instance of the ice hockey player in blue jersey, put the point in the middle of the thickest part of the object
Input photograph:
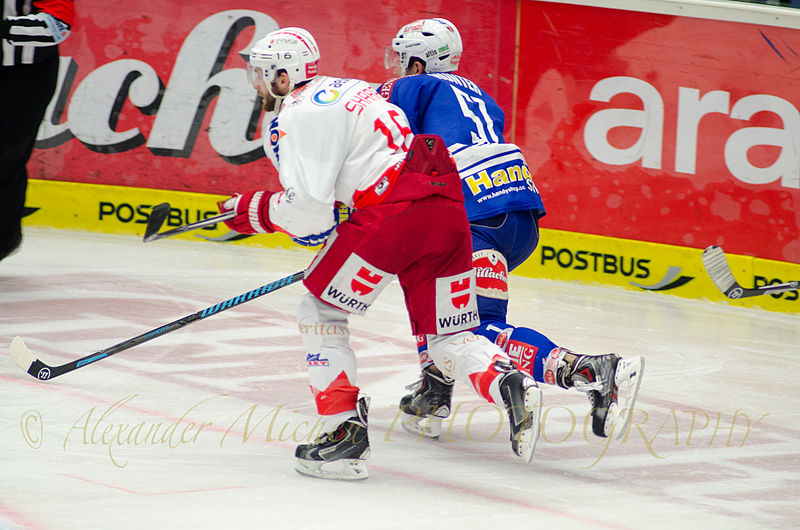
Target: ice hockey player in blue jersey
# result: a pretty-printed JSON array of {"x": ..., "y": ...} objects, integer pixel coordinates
[{"x": 504, "y": 208}]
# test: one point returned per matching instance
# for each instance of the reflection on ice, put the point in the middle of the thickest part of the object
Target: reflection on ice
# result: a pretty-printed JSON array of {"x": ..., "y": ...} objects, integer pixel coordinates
[{"x": 197, "y": 428}]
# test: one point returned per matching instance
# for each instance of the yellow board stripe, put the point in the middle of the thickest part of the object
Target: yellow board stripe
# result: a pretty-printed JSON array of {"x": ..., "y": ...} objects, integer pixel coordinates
[
  {"x": 643, "y": 266},
  {"x": 122, "y": 210},
  {"x": 568, "y": 256}
]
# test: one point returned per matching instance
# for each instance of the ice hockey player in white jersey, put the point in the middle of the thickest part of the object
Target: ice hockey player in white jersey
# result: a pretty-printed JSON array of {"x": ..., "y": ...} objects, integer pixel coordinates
[
  {"x": 504, "y": 207},
  {"x": 336, "y": 140}
]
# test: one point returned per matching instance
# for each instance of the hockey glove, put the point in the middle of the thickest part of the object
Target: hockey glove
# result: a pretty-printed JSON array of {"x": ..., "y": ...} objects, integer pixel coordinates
[
  {"x": 252, "y": 212},
  {"x": 341, "y": 213}
]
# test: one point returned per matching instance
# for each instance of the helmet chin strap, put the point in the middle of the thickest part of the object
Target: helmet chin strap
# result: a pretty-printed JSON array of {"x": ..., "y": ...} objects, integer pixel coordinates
[{"x": 279, "y": 98}]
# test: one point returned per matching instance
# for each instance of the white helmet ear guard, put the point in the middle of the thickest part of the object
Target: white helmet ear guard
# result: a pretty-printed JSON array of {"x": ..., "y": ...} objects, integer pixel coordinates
[
  {"x": 434, "y": 41},
  {"x": 292, "y": 50}
]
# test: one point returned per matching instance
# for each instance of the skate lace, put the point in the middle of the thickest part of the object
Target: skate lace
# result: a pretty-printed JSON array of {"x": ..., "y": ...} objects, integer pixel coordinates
[
  {"x": 340, "y": 432},
  {"x": 584, "y": 386},
  {"x": 327, "y": 437},
  {"x": 415, "y": 385}
]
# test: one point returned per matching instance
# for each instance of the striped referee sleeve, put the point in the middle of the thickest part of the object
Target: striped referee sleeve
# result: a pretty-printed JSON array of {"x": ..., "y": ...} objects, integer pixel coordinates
[{"x": 40, "y": 29}]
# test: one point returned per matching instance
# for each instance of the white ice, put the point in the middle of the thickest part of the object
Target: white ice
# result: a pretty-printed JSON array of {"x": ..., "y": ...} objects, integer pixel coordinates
[{"x": 197, "y": 428}]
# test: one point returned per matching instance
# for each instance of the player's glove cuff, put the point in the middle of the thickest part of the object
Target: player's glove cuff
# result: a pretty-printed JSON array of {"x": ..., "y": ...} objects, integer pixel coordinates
[
  {"x": 341, "y": 213},
  {"x": 252, "y": 212}
]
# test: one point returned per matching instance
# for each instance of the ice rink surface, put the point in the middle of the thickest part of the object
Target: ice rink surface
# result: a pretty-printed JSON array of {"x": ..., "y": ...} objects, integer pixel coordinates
[{"x": 197, "y": 428}]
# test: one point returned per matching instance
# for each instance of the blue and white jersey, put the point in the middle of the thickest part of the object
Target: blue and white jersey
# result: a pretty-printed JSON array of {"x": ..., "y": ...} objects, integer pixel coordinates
[{"x": 495, "y": 178}]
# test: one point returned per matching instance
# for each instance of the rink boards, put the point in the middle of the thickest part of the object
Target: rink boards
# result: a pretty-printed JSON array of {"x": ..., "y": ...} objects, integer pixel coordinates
[{"x": 561, "y": 255}]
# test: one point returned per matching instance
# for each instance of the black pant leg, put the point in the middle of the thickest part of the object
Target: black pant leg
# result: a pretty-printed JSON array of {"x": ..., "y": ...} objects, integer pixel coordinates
[{"x": 25, "y": 92}]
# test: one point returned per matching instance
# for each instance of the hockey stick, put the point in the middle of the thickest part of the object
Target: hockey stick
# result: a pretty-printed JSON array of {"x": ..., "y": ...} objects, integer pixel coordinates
[
  {"x": 33, "y": 366},
  {"x": 720, "y": 272},
  {"x": 159, "y": 214}
]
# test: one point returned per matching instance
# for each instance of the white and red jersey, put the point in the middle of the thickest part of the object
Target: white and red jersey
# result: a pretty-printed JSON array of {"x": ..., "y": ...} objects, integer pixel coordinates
[{"x": 332, "y": 138}]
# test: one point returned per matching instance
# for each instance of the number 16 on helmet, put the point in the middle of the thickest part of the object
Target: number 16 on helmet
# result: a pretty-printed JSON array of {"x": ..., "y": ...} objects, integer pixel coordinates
[{"x": 292, "y": 50}]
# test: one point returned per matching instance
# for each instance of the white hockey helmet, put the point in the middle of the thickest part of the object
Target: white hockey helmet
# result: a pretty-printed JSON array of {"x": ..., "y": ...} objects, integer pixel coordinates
[
  {"x": 434, "y": 41},
  {"x": 291, "y": 49}
]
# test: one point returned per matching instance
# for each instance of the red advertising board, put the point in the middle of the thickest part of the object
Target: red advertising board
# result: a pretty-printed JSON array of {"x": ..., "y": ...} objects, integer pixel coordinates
[
  {"x": 660, "y": 128},
  {"x": 154, "y": 94},
  {"x": 650, "y": 127}
]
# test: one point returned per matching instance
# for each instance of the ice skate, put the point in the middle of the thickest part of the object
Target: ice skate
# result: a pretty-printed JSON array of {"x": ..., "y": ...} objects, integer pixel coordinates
[
  {"x": 340, "y": 454},
  {"x": 612, "y": 384},
  {"x": 424, "y": 409},
  {"x": 523, "y": 401}
]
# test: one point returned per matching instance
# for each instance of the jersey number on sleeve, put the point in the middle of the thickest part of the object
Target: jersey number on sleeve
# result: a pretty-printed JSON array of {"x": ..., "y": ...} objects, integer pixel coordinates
[{"x": 387, "y": 132}]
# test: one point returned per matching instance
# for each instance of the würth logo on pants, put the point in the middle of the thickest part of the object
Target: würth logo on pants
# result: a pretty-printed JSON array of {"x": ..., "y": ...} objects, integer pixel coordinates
[
  {"x": 365, "y": 281},
  {"x": 460, "y": 293},
  {"x": 356, "y": 285},
  {"x": 456, "y": 303}
]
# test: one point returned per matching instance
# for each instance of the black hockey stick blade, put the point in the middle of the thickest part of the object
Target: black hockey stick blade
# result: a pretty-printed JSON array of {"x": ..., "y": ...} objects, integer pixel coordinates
[
  {"x": 230, "y": 235},
  {"x": 156, "y": 220},
  {"x": 186, "y": 228},
  {"x": 719, "y": 271},
  {"x": 25, "y": 359}
]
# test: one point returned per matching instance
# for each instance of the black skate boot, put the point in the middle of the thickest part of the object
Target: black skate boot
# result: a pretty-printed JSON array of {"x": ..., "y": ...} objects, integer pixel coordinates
[
  {"x": 601, "y": 377},
  {"x": 11, "y": 248},
  {"x": 523, "y": 401},
  {"x": 340, "y": 454},
  {"x": 425, "y": 408}
]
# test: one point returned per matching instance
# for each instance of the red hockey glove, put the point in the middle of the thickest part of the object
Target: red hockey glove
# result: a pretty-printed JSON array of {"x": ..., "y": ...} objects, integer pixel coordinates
[{"x": 252, "y": 212}]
